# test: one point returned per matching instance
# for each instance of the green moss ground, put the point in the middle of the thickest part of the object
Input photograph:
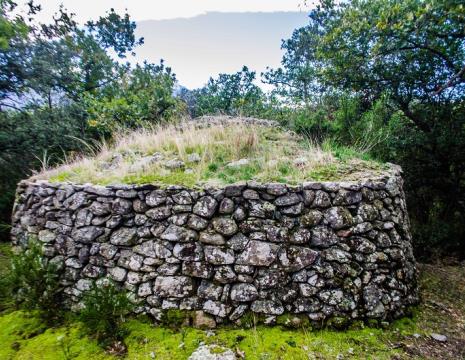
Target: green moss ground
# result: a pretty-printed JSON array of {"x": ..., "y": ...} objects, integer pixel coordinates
[
  {"x": 442, "y": 310},
  {"x": 24, "y": 337}
]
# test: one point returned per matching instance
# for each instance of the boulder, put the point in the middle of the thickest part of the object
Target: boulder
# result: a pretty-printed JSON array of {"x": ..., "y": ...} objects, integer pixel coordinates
[
  {"x": 287, "y": 200},
  {"x": 159, "y": 213},
  {"x": 173, "y": 286},
  {"x": 219, "y": 256},
  {"x": 323, "y": 237},
  {"x": 243, "y": 292},
  {"x": 155, "y": 198},
  {"x": 213, "y": 238},
  {"x": 296, "y": 258},
  {"x": 197, "y": 269},
  {"x": 338, "y": 217},
  {"x": 121, "y": 206},
  {"x": 212, "y": 352},
  {"x": 226, "y": 206},
  {"x": 123, "y": 236},
  {"x": 322, "y": 199},
  {"x": 188, "y": 251},
  {"x": 216, "y": 308},
  {"x": 182, "y": 198},
  {"x": 205, "y": 206},
  {"x": 258, "y": 253},
  {"x": 178, "y": 233},
  {"x": 267, "y": 307},
  {"x": 202, "y": 320},
  {"x": 225, "y": 226}
]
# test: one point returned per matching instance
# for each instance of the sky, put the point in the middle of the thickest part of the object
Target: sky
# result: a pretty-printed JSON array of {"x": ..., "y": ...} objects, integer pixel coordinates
[
  {"x": 164, "y": 9},
  {"x": 200, "y": 38},
  {"x": 206, "y": 45}
]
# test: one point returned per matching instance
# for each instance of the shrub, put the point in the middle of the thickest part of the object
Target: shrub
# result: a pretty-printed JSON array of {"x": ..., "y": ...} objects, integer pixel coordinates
[
  {"x": 105, "y": 306},
  {"x": 313, "y": 123},
  {"x": 5, "y": 284},
  {"x": 34, "y": 282}
]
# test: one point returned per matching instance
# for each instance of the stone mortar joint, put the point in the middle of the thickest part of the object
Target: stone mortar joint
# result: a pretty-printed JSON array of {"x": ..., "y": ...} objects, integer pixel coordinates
[{"x": 318, "y": 250}]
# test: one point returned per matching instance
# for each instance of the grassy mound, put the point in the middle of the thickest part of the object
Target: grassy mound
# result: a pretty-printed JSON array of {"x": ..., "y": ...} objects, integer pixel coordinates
[{"x": 219, "y": 154}]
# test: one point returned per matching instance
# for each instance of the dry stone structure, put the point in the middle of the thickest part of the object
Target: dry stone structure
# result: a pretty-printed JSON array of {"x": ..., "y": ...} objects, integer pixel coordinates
[{"x": 320, "y": 249}]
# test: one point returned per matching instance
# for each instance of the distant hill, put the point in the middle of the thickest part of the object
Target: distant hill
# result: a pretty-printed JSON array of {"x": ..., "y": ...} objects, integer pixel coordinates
[{"x": 205, "y": 45}]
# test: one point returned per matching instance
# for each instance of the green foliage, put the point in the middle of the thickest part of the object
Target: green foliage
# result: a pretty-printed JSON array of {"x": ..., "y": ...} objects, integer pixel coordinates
[
  {"x": 105, "y": 307},
  {"x": 231, "y": 94},
  {"x": 388, "y": 77},
  {"x": 296, "y": 80},
  {"x": 34, "y": 282},
  {"x": 40, "y": 138},
  {"x": 176, "y": 319},
  {"x": 10, "y": 27},
  {"x": 116, "y": 32},
  {"x": 415, "y": 52},
  {"x": 24, "y": 335},
  {"x": 175, "y": 178},
  {"x": 313, "y": 123},
  {"x": 233, "y": 174},
  {"x": 5, "y": 285},
  {"x": 60, "y": 83},
  {"x": 141, "y": 97}
]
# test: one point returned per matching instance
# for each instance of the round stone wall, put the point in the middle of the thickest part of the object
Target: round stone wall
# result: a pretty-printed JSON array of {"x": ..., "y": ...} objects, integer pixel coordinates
[{"x": 321, "y": 249}]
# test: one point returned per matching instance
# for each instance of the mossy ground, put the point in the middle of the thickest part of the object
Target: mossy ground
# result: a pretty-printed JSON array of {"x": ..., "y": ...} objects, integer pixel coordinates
[
  {"x": 272, "y": 154},
  {"x": 442, "y": 310}
]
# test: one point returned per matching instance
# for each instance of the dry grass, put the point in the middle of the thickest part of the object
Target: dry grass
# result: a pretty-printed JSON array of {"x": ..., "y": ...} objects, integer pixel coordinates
[{"x": 273, "y": 155}]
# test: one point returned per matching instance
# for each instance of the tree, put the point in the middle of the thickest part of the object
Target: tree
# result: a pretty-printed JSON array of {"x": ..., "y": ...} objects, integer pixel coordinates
[
  {"x": 60, "y": 82},
  {"x": 412, "y": 54},
  {"x": 296, "y": 79},
  {"x": 232, "y": 94},
  {"x": 13, "y": 32},
  {"x": 415, "y": 52},
  {"x": 141, "y": 96}
]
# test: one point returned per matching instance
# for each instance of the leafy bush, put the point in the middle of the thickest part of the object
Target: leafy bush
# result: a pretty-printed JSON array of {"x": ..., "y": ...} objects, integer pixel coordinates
[
  {"x": 34, "y": 282},
  {"x": 39, "y": 138},
  {"x": 231, "y": 94},
  {"x": 399, "y": 94},
  {"x": 105, "y": 306},
  {"x": 312, "y": 123},
  {"x": 5, "y": 285},
  {"x": 141, "y": 97}
]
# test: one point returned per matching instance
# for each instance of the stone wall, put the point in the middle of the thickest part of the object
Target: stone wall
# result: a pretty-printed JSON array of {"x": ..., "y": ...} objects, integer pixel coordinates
[{"x": 319, "y": 249}]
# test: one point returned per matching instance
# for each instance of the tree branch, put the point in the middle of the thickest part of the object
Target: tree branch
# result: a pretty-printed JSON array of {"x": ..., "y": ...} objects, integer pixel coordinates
[{"x": 451, "y": 81}]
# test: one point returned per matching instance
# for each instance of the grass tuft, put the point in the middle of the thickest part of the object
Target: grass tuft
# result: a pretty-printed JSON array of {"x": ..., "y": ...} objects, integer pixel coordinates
[{"x": 272, "y": 153}]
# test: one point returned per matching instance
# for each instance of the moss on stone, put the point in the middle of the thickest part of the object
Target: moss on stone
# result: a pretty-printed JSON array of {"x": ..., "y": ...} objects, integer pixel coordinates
[
  {"x": 293, "y": 321},
  {"x": 338, "y": 322},
  {"x": 176, "y": 318},
  {"x": 217, "y": 350}
]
